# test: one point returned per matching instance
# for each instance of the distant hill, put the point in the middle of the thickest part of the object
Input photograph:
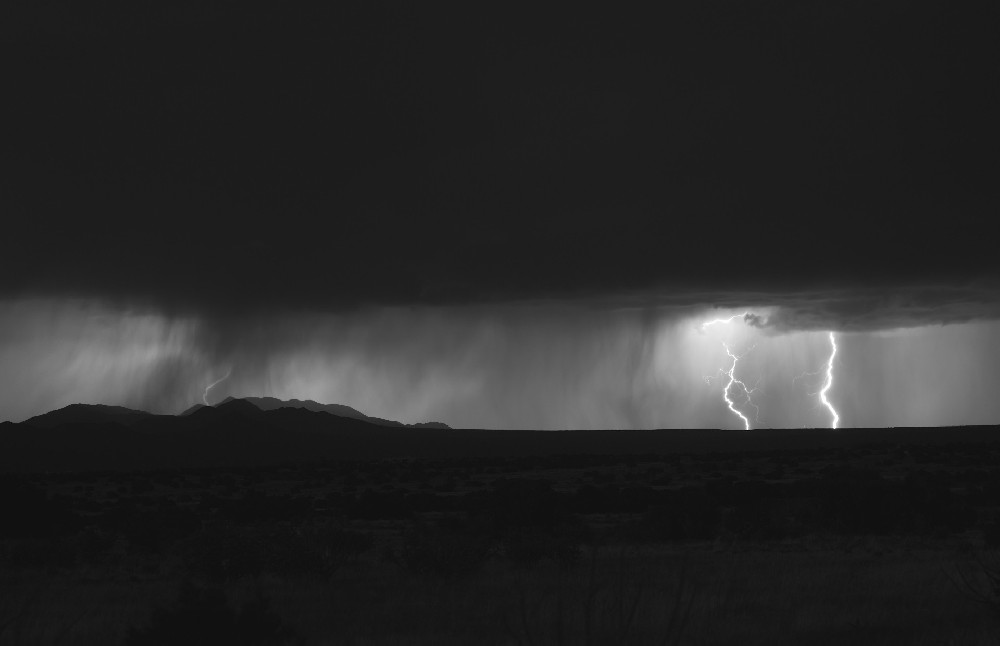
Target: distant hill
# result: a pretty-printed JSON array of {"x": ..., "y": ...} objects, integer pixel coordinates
[
  {"x": 272, "y": 403},
  {"x": 99, "y": 413},
  {"x": 340, "y": 410},
  {"x": 234, "y": 432},
  {"x": 238, "y": 433},
  {"x": 192, "y": 409},
  {"x": 87, "y": 414}
]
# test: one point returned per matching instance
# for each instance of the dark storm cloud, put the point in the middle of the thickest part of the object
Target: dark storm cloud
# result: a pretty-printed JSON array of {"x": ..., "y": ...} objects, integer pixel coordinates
[
  {"x": 245, "y": 159},
  {"x": 867, "y": 309},
  {"x": 848, "y": 309},
  {"x": 491, "y": 218}
]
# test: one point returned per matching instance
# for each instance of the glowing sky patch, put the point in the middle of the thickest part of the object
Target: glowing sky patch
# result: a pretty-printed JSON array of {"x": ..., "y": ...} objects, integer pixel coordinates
[{"x": 520, "y": 368}]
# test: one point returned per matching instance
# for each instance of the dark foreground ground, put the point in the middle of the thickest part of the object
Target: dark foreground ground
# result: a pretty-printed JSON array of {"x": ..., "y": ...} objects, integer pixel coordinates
[{"x": 888, "y": 543}]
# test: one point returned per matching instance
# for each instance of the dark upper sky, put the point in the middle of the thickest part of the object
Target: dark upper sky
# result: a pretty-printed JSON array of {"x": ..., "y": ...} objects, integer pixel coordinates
[{"x": 237, "y": 156}]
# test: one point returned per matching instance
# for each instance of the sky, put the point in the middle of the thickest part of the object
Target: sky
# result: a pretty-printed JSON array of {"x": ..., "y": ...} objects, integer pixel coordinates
[{"x": 500, "y": 219}]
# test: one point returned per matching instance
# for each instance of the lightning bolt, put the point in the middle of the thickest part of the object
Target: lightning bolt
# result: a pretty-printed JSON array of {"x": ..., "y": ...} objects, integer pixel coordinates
[
  {"x": 828, "y": 382},
  {"x": 731, "y": 373},
  {"x": 827, "y": 372},
  {"x": 204, "y": 396},
  {"x": 726, "y": 320},
  {"x": 747, "y": 391}
]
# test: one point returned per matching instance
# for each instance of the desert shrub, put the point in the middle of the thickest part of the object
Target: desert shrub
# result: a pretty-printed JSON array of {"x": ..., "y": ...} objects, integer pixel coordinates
[
  {"x": 29, "y": 513},
  {"x": 591, "y": 499},
  {"x": 254, "y": 506},
  {"x": 935, "y": 507},
  {"x": 991, "y": 535},
  {"x": 140, "y": 485},
  {"x": 771, "y": 518},
  {"x": 990, "y": 490},
  {"x": 871, "y": 505},
  {"x": 610, "y": 601},
  {"x": 375, "y": 505},
  {"x": 222, "y": 552},
  {"x": 286, "y": 551},
  {"x": 93, "y": 546},
  {"x": 521, "y": 503},
  {"x": 337, "y": 502},
  {"x": 527, "y": 547},
  {"x": 689, "y": 514},
  {"x": 226, "y": 551},
  {"x": 426, "y": 501},
  {"x": 860, "y": 503},
  {"x": 50, "y": 552},
  {"x": 152, "y": 530},
  {"x": 637, "y": 499},
  {"x": 89, "y": 546},
  {"x": 442, "y": 552},
  {"x": 343, "y": 546},
  {"x": 312, "y": 549},
  {"x": 204, "y": 616}
]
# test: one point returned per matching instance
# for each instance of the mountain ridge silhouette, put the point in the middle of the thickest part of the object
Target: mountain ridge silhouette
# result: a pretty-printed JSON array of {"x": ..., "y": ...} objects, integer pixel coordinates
[
  {"x": 234, "y": 432},
  {"x": 340, "y": 410},
  {"x": 102, "y": 413},
  {"x": 238, "y": 434},
  {"x": 85, "y": 413}
]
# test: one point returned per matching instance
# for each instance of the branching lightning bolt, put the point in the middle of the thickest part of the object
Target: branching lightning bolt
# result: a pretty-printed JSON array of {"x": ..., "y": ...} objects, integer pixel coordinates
[
  {"x": 829, "y": 382},
  {"x": 747, "y": 391},
  {"x": 204, "y": 396},
  {"x": 725, "y": 320},
  {"x": 731, "y": 373}
]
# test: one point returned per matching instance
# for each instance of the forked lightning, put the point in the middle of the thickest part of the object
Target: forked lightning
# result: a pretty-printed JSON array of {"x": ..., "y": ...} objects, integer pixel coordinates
[
  {"x": 726, "y": 320},
  {"x": 204, "y": 396},
  {"x": 746, "y": 391},
  {"x": 731, "y": 373}
]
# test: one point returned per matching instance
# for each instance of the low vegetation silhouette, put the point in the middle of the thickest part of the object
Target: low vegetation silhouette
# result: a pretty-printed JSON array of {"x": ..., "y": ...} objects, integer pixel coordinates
[
  {"x": 203, "y": 615},
  {"x": 760, "y": 545}
]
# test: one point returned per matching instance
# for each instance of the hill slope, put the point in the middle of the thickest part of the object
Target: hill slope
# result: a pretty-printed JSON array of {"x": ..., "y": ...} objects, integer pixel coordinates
[
  {"x": 86, "y": 414},
  {"x": 340, "y": 410}
]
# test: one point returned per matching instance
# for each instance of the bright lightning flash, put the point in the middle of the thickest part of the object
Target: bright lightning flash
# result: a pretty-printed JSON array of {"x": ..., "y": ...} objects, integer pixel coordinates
[
  {"x": 731, "y": 373},
  {"x": 828, "y": 382},
  {"x": 746, "y": 390},
  {"x": 726, "y": 320},
  {"x": 204, "y": 396}
]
